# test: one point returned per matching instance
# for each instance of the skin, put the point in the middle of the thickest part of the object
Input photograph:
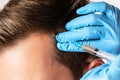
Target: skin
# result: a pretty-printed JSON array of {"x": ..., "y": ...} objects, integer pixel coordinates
[{"x": 32, "y": 58}]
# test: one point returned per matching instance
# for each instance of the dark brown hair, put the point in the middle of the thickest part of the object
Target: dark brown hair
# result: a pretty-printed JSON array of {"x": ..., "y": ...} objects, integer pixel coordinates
[{"x": 19, "y": 17}]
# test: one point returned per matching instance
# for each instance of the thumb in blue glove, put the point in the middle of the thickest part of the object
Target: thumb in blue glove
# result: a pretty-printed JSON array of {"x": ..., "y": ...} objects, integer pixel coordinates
[
  {"x": 104, "y": 72},
  {"x": 98, "y": 30}
]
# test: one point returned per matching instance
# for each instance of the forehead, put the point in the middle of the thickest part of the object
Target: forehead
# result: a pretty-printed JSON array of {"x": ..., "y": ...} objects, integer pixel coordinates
[
  {"x": 34, "y": 46},
  {"x": 38, "y": 43}
]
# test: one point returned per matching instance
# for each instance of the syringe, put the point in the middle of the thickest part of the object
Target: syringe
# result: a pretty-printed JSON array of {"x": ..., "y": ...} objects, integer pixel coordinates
[{"x": 98, "y": 53}]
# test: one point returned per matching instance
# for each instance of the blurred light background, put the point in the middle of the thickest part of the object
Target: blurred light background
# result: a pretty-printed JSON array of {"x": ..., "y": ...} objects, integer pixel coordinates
[
  {"x": 113, "y": 2},
  {"x": 3, "y": 3}
]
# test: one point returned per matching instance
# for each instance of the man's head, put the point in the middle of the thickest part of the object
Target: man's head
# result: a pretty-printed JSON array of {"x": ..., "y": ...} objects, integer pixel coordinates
[{"x": 27, "y": 41}]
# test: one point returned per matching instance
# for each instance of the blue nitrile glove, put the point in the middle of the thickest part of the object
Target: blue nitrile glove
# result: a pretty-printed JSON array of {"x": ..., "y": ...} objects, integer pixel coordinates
[
  {"x": 98, "y": 30},
  {"x": 104, "y": 72}
]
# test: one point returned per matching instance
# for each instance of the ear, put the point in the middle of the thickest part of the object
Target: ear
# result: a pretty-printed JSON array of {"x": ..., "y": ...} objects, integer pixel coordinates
[{"x": 96, "y": 62}]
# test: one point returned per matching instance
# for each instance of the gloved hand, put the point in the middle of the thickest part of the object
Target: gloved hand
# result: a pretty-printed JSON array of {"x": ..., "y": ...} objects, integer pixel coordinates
[
  {"x": 98, "y": 30},
  {"x": 104, "y": 72}
]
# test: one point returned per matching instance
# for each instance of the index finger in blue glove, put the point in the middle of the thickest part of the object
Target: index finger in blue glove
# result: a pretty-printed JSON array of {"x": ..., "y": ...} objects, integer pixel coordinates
[
  {"x": 95, "y": 7},
  {"x": 86, "y": 33},
  {"x": 85, "y": 21}
]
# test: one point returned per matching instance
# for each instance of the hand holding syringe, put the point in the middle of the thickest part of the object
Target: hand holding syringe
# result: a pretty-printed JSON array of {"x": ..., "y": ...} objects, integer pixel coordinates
[{"x": 98, "y": 53}]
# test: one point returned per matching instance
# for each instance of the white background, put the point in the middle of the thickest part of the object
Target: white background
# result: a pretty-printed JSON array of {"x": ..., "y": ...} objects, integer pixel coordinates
[
  {"x": 3, "y": 3},
  {"x": 113, "y": 2}
]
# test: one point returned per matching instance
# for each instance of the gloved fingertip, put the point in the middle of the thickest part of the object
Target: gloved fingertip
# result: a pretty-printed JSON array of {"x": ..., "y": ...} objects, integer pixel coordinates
[
  {"x": 80, "y": 11},
  {"x": 57, "y": 37},
  {"x": 61, "y": 47},
  {"x": 70, "y": 25},
  {"x": 67, "y": 26},
  {"x": 58, "y": 46}
]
